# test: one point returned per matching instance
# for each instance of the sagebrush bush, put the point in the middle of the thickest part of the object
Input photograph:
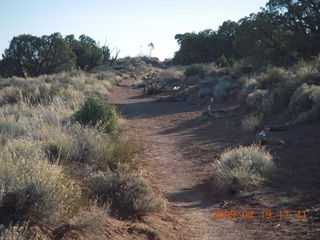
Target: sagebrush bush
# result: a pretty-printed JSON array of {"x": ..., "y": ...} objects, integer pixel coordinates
[
  {"x": 91, "y": 220},
  {"x": 170, "y": 74},
  {"x": 305, "y": 103},
  {"x": 31, "y": 188},
  {"x": 273, "y": 77},
  {"x": 127, "y": 192},
  {"x": 63, "y": 148},
  {"x": 257, "y": 99},
  {"x": 97, "y": 111},
  {"x": 242, "y": 168},
  {"x": 76, "y": 143},
  {"x": 112, "y": 152},
  {"x": 195, "y": 70},
  {"x": 248, "y": 86},
  {"x": 253, "y": 121},
  {"x": 222, "y": 88}
]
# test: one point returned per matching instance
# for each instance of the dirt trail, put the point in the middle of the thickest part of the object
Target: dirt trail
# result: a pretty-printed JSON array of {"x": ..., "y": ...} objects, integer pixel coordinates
[{"x": 171, "y": 162}]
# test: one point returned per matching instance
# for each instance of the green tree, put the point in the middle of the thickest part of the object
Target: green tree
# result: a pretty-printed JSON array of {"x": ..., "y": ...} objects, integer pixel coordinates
[
  {"x": 301, "y": 18},
  {"x": 29, "y": 55},
  {"x": 88, "y": 53},
  {"x": 106, "y": 54}
]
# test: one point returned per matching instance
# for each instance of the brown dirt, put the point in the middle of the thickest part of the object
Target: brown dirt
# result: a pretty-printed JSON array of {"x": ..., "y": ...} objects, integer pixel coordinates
[{"x": 180, "y": 145}]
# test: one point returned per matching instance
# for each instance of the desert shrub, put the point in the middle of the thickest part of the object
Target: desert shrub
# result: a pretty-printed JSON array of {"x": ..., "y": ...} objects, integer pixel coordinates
[
  {"x": 273, "y": 77},
  {"x": 72, "y": 143},
  {"x": 170, "y": 74},
  {"x": 307, "y": 72},
  {"x": 222, "y": 88},
  {"x": 257, "y": 98},
  {"x": 127, "y": 192},
  {"x": 97, "y": 111},
  {"x": 195, "y": 70},
  {"x": 75, "y": 143},
  {"x": 248, "y": 86},
  {"x": 62, "y": 148},
  {"x": 268, "y": 103},
  {"x": 112, "y": 152},
  {"x": 31, "y": 188},
  {"x": 253, "y": 121},
  {"x": 91, "y": 220},
  {"x": 242, "y": 168},
  {"x": 277, "y": 100},
  {"x": 305, "y": 102}
]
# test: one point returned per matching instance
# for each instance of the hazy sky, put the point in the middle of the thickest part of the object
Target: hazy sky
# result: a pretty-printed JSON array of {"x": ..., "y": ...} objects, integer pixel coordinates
[{"x": 127, "y": 25}]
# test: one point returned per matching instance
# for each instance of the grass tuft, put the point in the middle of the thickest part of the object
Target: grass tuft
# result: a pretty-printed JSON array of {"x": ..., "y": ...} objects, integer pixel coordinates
[
  {"x": 242, "y": 168},
  {"x": 128, "y": 193}
]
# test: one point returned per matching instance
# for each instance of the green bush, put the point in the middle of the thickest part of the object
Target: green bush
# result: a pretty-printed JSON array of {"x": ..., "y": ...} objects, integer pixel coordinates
[
  {"x": 223, "y": 61},
  {"x": 242, "y": 168},
  {"x": 128, "y": 193},
  {"x": 97, "y": 111}
]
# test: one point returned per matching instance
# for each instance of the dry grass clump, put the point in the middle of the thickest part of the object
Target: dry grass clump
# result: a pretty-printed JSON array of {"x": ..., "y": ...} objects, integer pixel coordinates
[
  {"x": 305, "y": 103},
  {"x": 269, "y": 92},
  {"x": 221, "y": 89},
  {"x": 128, "y": 193},
  {"x": 274, "y": 77},
  {"x": 277, "y": 88},
  {"x": 11, "y": 129},
  {"x": 257, "y": 99},
  {"x": 91, "y": 220},
  {"x": 112, "y": 152},
  {"x": 43, "y": 89},
  {"x": 33, "y": 93},
  {"x": 74, "y": 143},
  {"x": 253, "y": 121},
  {"x": 17, "y": 232},
  {"x": 199, "y": 70},
  {"x": 170, "y": 74},
  {"x": 32, "y": 188},
  {"x": 242, "y": 168}
]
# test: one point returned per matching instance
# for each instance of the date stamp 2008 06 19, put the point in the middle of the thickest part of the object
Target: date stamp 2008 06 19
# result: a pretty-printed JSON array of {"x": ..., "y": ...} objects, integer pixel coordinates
[{"x": 263, "y": 214}]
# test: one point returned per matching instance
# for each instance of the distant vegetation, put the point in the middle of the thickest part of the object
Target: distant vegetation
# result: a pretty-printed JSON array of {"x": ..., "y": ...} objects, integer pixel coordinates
[
  {"x": 31, "y": 56},
  {"x": 282, "y": 33}
]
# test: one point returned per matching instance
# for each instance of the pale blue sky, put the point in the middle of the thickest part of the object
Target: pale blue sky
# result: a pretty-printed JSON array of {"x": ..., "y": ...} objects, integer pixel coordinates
[{"x": 125, "y": 24}]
